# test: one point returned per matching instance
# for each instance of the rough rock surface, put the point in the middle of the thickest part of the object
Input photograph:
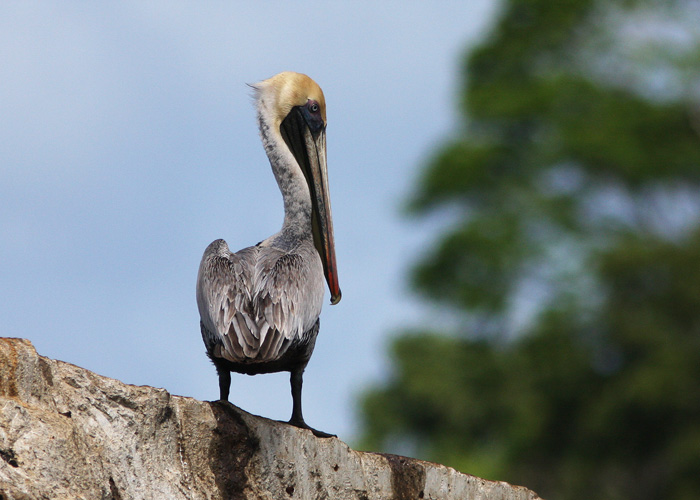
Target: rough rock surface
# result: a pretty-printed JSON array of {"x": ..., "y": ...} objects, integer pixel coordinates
[{"x": 66, "y": 432}]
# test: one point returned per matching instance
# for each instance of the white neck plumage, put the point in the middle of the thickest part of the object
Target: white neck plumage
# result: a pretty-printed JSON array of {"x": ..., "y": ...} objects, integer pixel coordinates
[{"x": 290, "y": 178}]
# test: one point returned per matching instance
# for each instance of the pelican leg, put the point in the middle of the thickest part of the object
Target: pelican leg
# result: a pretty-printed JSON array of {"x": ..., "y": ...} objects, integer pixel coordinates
[
  {"x": 224, "y": 383},
  {"x": 296, "y": 380}
]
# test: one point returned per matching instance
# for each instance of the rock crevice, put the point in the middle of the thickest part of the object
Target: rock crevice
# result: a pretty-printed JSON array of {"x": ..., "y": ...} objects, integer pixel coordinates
[{"x": 66, "y": 432}]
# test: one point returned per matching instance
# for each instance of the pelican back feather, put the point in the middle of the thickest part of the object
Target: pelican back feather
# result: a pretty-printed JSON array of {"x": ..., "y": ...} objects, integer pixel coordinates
[{"x": 257, "y": 302}]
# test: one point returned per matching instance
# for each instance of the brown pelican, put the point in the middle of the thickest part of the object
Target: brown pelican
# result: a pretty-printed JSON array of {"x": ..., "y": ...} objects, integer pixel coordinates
[{"x": 259, "y": 307}]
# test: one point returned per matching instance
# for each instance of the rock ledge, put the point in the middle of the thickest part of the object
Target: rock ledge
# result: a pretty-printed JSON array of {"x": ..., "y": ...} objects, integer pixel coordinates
[{"x": 66, "y": 432}]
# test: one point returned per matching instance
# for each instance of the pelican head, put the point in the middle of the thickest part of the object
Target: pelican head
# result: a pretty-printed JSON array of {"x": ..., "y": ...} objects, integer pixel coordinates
[{"x": 293, "y": 106}]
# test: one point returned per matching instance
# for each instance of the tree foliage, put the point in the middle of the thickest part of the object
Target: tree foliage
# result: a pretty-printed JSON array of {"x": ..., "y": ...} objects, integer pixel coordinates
[{"x": 573, "y": 265}]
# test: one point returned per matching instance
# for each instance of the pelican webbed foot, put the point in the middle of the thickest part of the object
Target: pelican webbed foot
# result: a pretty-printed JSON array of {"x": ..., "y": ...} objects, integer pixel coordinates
[{"x": 303, "y": 425}]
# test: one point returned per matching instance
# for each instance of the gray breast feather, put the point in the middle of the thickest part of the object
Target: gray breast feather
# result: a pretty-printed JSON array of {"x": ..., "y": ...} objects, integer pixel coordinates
[{"x": 255, "y": 302}]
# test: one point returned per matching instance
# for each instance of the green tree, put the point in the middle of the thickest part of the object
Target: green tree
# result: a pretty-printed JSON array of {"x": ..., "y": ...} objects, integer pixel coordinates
[{"x": 571, "y": 275}]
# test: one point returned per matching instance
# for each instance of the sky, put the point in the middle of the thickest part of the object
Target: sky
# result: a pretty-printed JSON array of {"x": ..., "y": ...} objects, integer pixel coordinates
[{"x": 129, "y": 143}]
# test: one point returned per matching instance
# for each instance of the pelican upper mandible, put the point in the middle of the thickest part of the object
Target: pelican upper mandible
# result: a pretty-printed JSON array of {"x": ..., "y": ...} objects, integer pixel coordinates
[{"x": 260, "y": 307}]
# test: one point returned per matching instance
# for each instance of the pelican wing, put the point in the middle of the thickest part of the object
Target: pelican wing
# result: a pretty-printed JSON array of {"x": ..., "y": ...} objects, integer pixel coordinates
[{"x": 255, "y": 302}]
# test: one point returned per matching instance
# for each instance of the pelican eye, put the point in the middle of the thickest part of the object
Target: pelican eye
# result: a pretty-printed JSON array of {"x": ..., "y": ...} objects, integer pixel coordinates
[{"x": 311, "y": 112}]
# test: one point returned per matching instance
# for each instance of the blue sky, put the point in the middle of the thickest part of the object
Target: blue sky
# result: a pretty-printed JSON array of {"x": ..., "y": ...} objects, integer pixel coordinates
[{"x": 129, "y": 143}]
